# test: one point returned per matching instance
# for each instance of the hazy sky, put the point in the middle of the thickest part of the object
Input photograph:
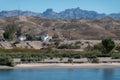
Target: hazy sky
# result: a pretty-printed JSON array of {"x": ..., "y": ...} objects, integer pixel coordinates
[{"x": 101, "y": 6}]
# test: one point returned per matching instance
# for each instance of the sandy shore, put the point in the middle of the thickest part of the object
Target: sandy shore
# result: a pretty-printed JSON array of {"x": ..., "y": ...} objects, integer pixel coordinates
[
  {"x": 64, "y": 65},
  {"x": 67, "y": 65}
]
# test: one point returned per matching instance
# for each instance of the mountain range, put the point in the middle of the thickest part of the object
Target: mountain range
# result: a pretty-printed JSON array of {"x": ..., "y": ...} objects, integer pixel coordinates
[
  {"x": 65, "y": 28},
  {"x": 73, "y": 13}
]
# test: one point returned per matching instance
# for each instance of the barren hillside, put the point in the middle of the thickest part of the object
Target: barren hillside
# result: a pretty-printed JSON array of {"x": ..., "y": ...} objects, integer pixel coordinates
[{"x": 71, "y": 29}]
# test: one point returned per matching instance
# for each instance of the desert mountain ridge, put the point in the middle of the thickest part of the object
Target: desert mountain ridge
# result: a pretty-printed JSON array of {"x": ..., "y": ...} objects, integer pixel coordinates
[
  {"x": 65, "y": 28},
  {"x": 73, "y": 13}
]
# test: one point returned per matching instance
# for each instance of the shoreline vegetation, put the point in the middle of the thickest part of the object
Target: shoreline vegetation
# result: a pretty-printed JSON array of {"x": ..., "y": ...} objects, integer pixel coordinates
[{"x": 106, "y": 52}]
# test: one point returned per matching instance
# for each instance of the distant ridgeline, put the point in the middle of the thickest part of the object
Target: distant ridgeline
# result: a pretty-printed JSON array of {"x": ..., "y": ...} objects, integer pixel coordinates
[{"x": 74, "y": 13}]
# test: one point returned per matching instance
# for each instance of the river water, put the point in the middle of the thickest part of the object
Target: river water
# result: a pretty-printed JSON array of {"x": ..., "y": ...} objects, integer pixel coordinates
[{"x": 61, "y": 74}]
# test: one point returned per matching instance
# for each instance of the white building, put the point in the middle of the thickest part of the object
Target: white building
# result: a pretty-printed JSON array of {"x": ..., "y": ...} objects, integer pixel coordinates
[
  {"x": 22, "y": 38},
  {"x": 46, "y": 37}
]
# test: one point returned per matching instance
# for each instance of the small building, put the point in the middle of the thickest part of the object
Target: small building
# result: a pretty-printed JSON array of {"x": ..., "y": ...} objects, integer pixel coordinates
[
  {"x": 22, "y": 38},
  {"x": 45, "y": 37}
]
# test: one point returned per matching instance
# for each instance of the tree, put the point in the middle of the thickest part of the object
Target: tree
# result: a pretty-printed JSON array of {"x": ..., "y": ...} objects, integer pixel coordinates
[
  {"x": 108, "y": 44},
  {"x": 11, "y": 31},
  {"x": 99, "y": 47},
  {"x": 30, "y": 37},
  {"x": 7, "y": 35},
  {"x": 7, "y": 60}
]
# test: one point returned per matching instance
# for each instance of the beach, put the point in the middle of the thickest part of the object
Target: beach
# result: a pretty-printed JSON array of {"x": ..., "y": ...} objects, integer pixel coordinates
[
  {"x": 68, "y": 65},
  {"x": 64, "y": 65}
]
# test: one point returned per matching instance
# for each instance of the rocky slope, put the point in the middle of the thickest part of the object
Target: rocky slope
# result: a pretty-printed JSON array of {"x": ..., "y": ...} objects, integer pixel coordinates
[{"x": 66, "y": 29}]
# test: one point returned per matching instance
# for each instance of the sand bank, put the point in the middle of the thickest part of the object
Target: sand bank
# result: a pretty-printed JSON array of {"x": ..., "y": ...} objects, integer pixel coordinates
[
  {"x": 67, "y": 65},
  {"x": 64, "y": 65}
]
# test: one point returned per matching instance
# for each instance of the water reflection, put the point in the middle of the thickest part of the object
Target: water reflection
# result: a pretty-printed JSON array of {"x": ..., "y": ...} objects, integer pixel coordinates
[
  {"x": 5, "y": 71},
  {"x": 108, "y": 74}
]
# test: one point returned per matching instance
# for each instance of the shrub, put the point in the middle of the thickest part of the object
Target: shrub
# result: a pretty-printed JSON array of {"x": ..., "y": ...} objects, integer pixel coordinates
[
  {"x": 99, "y": 47},
  {"x": 7, "y": 60},
  {"x": 70, "y": 60},
  {"x": 61, "y": 59},
  {"x": 116, "y": 56},
  {"x": 78, "y": 42},
  {"x": 55, "y": 36},
  {"x": 93, "y": 59},
  {"x": 108, "y": 44},
  {"x": 30, "y": 37},
  {"x": 77, "y": 56},
  {"x": 56, "y": 44},
  {"x": 117, "y": 48}
]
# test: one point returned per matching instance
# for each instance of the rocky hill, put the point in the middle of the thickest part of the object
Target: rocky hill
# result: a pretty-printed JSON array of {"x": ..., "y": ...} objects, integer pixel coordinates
[
  {"x": 64, "y": 28},
  {"x": 74, "y": 13}
]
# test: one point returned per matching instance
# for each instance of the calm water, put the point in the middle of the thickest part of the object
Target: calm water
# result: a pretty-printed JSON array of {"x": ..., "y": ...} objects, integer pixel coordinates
[{"x": 61, "y": 74}]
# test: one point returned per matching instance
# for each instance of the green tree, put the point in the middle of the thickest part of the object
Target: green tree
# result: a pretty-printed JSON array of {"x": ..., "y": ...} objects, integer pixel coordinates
[
  {"x": 30, "y": 37},
  {"x": 108, "y": 44},
  {"x": 6, "y": 60},
  {"x": 99, "y": 47},
  {"x": 7, "y": 35},
  {"x": 11, "y": 31},
  {"x": 116, "y": 56}
]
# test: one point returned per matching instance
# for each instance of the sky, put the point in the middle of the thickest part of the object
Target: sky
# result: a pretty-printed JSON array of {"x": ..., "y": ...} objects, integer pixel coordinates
[{"x": 101, "y": 6}]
